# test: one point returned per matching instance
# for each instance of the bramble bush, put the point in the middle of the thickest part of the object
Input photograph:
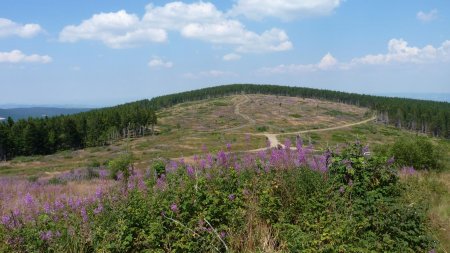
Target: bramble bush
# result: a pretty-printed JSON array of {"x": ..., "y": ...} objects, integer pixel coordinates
[{"x": 299, "y": 201}]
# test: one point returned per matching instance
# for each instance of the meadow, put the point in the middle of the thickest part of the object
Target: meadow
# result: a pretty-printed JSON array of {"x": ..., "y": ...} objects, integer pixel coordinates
[{"x": 210, "y": 181}]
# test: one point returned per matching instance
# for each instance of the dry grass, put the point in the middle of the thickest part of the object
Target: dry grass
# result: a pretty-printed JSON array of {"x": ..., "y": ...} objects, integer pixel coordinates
[
  {"x": 186, "y": 128},
  {"x": 13, "y": 192}
]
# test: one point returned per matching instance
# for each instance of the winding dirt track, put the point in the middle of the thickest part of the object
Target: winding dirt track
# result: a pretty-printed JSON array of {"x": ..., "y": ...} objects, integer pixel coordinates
[{"x": 272, "y": 137}]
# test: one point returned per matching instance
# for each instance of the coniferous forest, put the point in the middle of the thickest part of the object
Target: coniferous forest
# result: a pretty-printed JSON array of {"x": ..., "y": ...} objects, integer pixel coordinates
[{"x": 37, "y": 136}]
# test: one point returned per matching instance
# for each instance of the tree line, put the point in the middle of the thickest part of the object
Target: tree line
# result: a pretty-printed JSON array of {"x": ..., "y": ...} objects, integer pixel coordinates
[{"x": 40, "y": 136}]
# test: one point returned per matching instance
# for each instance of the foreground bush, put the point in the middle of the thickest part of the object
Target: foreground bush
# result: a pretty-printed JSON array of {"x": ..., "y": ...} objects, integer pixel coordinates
[
  {"x": 285, "y": 200},
  {"x": 417, "y": 152}
]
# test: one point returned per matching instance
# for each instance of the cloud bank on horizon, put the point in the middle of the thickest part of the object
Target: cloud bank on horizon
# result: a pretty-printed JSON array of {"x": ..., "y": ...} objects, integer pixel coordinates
[{"x": 242, "y": 40}]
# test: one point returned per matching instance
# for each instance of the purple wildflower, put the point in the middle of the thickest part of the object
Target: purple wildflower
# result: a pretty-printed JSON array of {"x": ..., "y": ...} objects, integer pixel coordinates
[
  {"x": 46, "y": 236},
  {"x": 223, "y": 234},
  {"x": 408, "y": 171},
  {"x": 342, "y": 189},
  {"x": 103, "y": 173},
  {"x": 29, "y": 200},
  {"x": 174, "y": 208},
  {"x": 84, "y": 214},
  {"x": 228, "y": 146},
  {"x": 47, "y": 208},
  {"x": 99, "y": 209},
  {"x": 98, "y": 193},
  {"x": 6, "y": 219},
  {"x": 190, "y": 171},
  {"x": 232, "y": 197}
]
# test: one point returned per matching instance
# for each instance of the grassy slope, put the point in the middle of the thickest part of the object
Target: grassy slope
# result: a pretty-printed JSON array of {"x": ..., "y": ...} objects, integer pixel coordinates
[{"x": 185, "y": 128}]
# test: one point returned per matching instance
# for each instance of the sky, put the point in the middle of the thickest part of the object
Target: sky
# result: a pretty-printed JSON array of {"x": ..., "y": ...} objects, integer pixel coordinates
[{"x": 97, "y": 52}]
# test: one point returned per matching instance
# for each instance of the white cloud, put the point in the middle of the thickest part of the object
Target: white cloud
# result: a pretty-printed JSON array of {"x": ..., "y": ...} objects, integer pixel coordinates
[
  {"x": 400, "y": 52},
  {"x": 427, "y": 16},
  {"x": 283, "y": 9},
  {"x": 327, "y": 62},
  {"x": 16, "y": 56},
  {"x": 176, "y": 15},
  {"x": 201, "y": 21},
  {"x": 157, "y": 62},
  {"x": 231, "y": 57},
  {"x": 9, "y": 28},
  {"x": 115, "y": 29}
]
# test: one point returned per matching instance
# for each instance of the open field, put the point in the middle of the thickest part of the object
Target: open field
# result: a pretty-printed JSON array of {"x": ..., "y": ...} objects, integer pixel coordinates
[
  {"x": 236, "y": 124},
  {"x": 241, "y": 120},
  {"x": 188, "y": 128}
]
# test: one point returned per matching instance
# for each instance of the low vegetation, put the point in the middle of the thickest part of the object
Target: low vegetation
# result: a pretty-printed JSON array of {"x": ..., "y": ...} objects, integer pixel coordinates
[{"x": 279, "y": 200}]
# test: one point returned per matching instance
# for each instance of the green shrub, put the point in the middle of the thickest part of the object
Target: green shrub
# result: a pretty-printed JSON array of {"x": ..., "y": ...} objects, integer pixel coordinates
[
  {"x": 159, "y": 167},
  {"x": 56, "y": 181},
  {"x": 418, "y": 152},
  {"x": 262, "y": 128},
  {"x": 93, "y": 164},
  {"x": 120, "y": 164},
  {"x": 33, "y": 179}
]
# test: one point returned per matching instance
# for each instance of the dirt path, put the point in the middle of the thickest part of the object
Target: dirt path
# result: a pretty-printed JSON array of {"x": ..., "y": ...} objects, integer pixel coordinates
[
  {"x": 237, "y": 110},
  {"x": 272, "y": 137}
]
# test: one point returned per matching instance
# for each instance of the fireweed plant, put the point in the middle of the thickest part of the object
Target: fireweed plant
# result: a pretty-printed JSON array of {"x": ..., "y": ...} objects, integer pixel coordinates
[{"x": 288, "y": 200}]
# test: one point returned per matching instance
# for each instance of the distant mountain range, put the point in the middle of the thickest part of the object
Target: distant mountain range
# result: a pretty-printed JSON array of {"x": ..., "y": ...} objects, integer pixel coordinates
[{"x": 23, "y": 113}]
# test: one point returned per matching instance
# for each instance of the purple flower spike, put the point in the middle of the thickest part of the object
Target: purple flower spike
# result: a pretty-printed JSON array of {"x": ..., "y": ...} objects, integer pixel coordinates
[
  {"x": 84, "y": 214},
  {"x": 190, "y": 171},
  {"x": 29, "y": 200},
  {"x": 6, "y": 219}
]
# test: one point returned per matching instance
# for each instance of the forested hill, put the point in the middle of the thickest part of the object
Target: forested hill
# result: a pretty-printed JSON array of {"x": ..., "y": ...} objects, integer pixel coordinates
[
  {"x": 37, "y": 136},
  {"x": 100, "y": 126},
  {"x": 424, "y": 116}
]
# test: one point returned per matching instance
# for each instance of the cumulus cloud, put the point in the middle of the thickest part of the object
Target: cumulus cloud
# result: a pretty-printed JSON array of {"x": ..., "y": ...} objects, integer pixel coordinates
[
  {"x": 327, "y": 62},
  {"x": 157, "y": 62},
  {"x": 283, "y": 9},
  {"x": 9, "y": 28},
  {"x": 16, "y": 56},
  {"x": 200, "y": 20},
  {"x": 427, "y": 16},
  {"x": 400, "y": 52},
  {"x": 231, "y": 57},
  {"x": 115, "y": 29}
]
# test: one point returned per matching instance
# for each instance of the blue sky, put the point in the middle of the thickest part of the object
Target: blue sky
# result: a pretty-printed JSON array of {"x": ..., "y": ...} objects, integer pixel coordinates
[{"x": 109, "y": 52}]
